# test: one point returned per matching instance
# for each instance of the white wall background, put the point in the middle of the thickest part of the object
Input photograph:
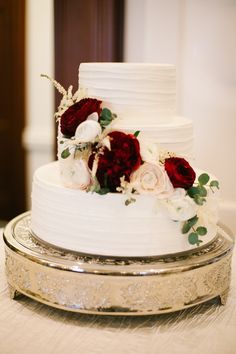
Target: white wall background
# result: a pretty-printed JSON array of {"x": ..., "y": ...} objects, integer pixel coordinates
[
  {"x": 199, "y": 36},
  {"x": 38, "y": 135}
]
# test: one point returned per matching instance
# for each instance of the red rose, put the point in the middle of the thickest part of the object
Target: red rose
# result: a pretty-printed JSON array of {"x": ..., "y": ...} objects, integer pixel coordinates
[
  {"x": 180, "y": 172},
  {"x": 78, "y": 113},
  {"x": 123, "y": 158}
]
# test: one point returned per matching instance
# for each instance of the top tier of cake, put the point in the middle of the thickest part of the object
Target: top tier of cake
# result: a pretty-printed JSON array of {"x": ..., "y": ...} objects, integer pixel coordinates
[
  {"x": 137, "y": 93},
  {"x": 143, "y": 96}
]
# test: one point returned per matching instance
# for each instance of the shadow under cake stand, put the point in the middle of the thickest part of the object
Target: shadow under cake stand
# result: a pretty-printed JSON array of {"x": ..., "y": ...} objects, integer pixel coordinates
[{"x": 115, "y": 286}]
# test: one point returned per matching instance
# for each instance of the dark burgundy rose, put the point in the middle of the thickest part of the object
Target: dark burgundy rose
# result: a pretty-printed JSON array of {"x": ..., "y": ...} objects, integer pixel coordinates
[
  {"x": 78, "y": 113},
  {"x": 180, "y": 173},
  {"x": 123, "y": 158}
]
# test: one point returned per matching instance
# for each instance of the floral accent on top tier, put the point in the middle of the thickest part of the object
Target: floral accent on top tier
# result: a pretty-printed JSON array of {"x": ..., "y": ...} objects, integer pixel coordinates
[
  {"x": 96, "y": 158},
  {"x": 77, "y": 114}
]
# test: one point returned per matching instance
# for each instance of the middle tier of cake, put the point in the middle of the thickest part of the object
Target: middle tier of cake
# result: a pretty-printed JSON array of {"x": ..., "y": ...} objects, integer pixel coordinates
[{"x": 176, "y": 136}]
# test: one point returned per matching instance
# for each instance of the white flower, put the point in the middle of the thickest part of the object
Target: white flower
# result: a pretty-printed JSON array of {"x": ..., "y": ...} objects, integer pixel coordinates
[
  {"x": 150, "y": 178},
  {"x": 180, "y": 206},
  {"x": 87, "y": 131},
  {"x": 75, "y": 173},
  {"x": 81, "y": 177},
  {"x": 148, "y": 150},
  {"x": 93, "y": 116},
  {"x": 106, "y": 142}
]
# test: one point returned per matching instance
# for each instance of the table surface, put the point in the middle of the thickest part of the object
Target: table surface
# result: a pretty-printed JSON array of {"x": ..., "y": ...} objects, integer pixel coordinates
[{"x": 27, "y": 326}]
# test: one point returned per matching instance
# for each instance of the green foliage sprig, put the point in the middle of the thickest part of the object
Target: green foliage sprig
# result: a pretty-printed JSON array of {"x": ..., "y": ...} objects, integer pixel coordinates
[
  {"x": 65, "y": 153},
  {"x": 193, "y": 237},
  {"x": 129, "y": 201},
  {"x": 136, "y": 134},
  {"x": 198, "y": 193},
  {"x": 106, "y": 117},
  {"x": 96, "y": 188},
  {"x": 81, "y": 147}
]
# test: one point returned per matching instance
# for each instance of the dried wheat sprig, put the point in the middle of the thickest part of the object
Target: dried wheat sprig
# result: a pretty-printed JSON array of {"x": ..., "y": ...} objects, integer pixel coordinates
[
  {"x": 68, "y": 98},
  {"x": 58, "y": 86}
]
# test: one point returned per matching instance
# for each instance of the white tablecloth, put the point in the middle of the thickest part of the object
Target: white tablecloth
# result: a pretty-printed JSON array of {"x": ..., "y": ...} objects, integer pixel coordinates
[{"x": 30, "y": 327}]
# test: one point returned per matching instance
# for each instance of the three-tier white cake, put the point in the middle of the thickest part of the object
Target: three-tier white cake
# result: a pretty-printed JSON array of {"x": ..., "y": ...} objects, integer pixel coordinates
[{"x": 122, "y": 187}]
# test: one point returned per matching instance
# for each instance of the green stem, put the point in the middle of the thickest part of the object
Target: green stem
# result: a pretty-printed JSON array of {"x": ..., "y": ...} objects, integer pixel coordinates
[{"x": 212, "y": 189}]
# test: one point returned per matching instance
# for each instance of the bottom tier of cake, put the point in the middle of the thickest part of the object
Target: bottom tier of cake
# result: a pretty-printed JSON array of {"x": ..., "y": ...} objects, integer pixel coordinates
[{"x": 104, "y": 225}]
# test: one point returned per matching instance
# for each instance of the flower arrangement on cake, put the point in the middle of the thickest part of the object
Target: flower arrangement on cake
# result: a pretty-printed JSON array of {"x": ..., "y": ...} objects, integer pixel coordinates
[{"x": 95, "y": 157}]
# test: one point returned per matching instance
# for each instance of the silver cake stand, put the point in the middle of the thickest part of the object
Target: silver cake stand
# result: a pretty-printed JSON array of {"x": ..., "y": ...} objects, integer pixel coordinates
[{"x": 115, "y": 286}]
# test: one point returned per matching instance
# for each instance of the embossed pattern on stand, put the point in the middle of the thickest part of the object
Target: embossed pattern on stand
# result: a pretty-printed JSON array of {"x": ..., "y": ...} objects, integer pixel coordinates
[{"x": 104, "y": 286}]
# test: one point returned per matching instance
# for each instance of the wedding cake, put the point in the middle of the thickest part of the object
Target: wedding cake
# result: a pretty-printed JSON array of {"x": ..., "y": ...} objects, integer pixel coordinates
[{"x": 123, "y": 184}]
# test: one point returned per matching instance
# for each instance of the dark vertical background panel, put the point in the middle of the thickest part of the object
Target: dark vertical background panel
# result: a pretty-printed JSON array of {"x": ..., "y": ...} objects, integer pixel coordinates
[
  {"x": 86, "y": 31},
  {"x": 12, "y": 108}
]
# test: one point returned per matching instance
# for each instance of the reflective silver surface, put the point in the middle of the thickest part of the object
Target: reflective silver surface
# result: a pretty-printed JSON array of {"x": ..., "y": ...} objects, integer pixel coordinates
[{"x": 100, "y": 285}]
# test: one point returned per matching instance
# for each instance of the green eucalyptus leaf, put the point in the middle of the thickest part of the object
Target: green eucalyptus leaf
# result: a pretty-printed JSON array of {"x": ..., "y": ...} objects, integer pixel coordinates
[
  {"x": 106, "y": 114},
  {"x": 193, "y": 238},
  {"x": 202, "y": 191},
  {"x": 201, "y": 230},
  {"x": 104, "y": 123},
  {"x": 189, "y": 224},
  {"x": 129, "y": 201},
  {"x": 199, "y": 200},
  {"x": 102, "y": 191},
  {"x": 106, "y": 117},
  {"x": 105, "y": 181},
  {"x": 185, "y": 228},
  {"x": 199, "y": 241},
  {"x": 65, "y": 153},
  {"x": 95, "y": 187},
  {"x": 196, "y": 192},
  {"x": 193, "y": 220},
  {"x": 203, "y": 179},
  {"x": 214, "y": 184},
  {"x": 192, "y": 191}
]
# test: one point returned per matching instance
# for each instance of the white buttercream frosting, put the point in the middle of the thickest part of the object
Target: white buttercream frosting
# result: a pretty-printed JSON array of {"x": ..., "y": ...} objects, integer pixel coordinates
[
  {"x": 103, "y": 224},
  {"x": 176, "y": 136},
  {"x": 132, "y": 90},
  {"x": 143, "y": 96}
]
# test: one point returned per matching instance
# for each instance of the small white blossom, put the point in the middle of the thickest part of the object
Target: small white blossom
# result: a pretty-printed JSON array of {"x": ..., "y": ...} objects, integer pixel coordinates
[
  {"x": 75, "y": 173},
  {"x": 93, "y": 116},
  {"x": 106, "y": 142},
  {"x": 148, "y": 150},
  {"x": 87, "y": 131},
  {"x": 180, "y": 206}
]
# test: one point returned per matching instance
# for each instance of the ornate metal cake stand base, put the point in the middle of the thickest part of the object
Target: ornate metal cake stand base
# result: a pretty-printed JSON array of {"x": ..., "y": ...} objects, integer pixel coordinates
[{"x": 99, "y": 285}]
